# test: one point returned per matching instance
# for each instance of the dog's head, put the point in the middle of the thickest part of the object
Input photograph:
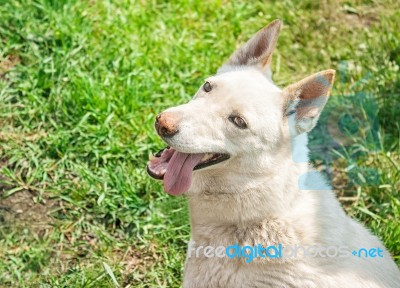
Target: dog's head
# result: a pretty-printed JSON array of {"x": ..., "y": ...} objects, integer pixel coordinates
[{"x": 238, "y": 119}]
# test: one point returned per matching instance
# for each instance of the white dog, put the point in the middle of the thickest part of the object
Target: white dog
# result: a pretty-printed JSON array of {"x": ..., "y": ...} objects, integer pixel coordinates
[{"x": 232, "y": 151}]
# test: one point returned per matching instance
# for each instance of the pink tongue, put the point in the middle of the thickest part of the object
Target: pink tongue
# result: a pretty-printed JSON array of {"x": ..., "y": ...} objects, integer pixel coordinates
[{"x": 178, "y": 177}]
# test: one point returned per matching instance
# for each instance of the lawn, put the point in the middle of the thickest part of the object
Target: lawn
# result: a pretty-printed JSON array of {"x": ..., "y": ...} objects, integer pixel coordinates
[{"x": 82, "y": 81}]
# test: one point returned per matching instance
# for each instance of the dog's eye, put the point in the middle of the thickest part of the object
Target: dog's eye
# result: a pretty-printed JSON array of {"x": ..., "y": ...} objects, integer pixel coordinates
[
  {"x": 238, "y": 121},
  {"x": 207, "y": 87}
]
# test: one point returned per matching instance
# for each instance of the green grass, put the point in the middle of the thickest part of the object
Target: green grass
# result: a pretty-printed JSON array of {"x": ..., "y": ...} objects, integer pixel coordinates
[{"x": 80, "y": 85}]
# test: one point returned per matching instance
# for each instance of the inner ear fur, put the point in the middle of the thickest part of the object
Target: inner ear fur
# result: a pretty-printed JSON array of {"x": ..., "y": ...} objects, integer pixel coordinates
[
  {"x": 306, "y": 99},
  {"x": 258, "y": 50},
  {"x": 311, "y": 91}
]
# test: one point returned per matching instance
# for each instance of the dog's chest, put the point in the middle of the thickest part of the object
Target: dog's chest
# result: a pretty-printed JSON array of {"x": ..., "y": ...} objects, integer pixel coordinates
[
  {"x": 204, "y": 268},
  {"x": 211, "y": 272}
]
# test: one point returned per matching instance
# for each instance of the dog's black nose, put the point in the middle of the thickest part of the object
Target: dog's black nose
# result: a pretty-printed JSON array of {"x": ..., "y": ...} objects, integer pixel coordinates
[{"x": 166, "y": 124}]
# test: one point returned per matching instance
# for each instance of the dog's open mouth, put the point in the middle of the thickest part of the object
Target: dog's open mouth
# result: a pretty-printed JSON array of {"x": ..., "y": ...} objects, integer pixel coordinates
[{"x": 176, "y": 167}]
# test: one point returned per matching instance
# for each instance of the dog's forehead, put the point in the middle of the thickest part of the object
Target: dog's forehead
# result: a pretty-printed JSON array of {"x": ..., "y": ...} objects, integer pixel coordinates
[{"x": 244, "y": 83}]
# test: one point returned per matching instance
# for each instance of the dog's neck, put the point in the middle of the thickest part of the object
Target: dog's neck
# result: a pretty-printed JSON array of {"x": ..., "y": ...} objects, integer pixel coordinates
[{"x": 245, "y": 200}]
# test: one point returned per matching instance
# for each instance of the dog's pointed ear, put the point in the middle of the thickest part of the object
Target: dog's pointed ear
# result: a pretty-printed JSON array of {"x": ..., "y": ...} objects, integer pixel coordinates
[
  {"x": 305, "y": 100},
  {"x": 257, "y": 51}
]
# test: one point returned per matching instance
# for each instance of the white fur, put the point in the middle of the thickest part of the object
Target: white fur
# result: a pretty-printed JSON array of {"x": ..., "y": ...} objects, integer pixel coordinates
[{"x": 254, "y": 197}]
